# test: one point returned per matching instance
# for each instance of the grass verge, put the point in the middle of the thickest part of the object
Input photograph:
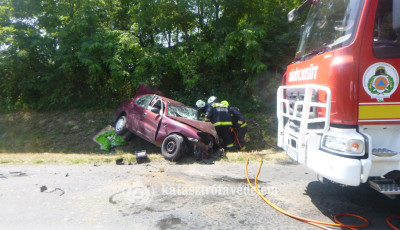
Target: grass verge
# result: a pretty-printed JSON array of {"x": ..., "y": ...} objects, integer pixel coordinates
[
  {"x": 65, "y": 137},
  {"x": 71, "y": 158}
]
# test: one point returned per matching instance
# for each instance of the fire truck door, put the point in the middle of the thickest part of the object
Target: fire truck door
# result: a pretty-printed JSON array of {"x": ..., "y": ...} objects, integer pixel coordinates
[{"x": 379, "y": 94}]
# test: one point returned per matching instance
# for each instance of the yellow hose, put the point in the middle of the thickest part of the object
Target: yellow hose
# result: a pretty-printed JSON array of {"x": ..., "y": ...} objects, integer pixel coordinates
[{"x": 308, "y": 221}]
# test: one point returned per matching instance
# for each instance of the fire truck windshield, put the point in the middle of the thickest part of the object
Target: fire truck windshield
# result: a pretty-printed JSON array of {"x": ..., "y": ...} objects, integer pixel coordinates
[{"x": 330, "y": 24}]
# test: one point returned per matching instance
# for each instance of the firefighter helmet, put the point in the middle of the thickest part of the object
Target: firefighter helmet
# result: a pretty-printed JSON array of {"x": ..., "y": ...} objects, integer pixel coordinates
[
  {"x": 200, "y": 104},
  {"x": 225, "y": 102},
  {"x": 211, "y": 99}
]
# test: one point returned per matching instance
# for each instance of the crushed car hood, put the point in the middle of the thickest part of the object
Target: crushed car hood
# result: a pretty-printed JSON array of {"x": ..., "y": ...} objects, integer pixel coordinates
[{"x": 200, "y": 125}]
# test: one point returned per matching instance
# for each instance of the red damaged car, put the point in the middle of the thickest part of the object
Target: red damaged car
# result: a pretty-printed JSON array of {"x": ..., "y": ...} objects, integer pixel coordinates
[{"x": 169, "y": 124}]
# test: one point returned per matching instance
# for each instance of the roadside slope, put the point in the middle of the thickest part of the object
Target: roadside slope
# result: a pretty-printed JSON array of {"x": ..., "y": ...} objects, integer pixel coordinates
[{"x": 71, "y": 132}]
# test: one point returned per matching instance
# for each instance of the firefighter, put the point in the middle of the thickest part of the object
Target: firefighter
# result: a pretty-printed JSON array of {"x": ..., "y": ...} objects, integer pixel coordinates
[
  {"x": 218, "y": 114},
  {"x": 239, "y": 125},
  {"x": 202, "y": 108}
]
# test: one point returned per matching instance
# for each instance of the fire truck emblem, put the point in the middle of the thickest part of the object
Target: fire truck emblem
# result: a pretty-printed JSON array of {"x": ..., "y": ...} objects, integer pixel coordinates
[{"x": 380, "y": 80}]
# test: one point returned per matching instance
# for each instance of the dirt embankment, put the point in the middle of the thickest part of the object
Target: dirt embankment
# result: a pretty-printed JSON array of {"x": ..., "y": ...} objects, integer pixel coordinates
[
  {"x": 54, "y": 132},
  {"x": 72, "y": 132}
]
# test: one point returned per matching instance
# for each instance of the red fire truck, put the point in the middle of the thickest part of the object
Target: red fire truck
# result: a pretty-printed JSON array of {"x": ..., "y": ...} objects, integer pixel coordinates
[{"x": 339, "y": 105}]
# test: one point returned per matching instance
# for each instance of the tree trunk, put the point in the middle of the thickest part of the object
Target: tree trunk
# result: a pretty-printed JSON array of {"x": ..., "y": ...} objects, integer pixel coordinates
[{"x": 216, "y": 5}]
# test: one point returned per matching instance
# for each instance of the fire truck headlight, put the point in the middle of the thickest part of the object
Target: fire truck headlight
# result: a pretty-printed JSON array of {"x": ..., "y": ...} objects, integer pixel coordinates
[{"x": 343, "y": 145}]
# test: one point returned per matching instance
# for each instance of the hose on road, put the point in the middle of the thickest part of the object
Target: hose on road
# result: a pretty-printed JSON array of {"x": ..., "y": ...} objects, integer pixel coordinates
[{"x": 319, "y": 224}]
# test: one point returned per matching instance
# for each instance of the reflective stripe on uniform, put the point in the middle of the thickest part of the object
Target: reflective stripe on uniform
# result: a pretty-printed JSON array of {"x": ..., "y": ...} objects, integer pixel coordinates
[
  {"x": 223, "y": 123},
  {"x": 244, "y": 125},
  {"x": 229, "y": 146}
]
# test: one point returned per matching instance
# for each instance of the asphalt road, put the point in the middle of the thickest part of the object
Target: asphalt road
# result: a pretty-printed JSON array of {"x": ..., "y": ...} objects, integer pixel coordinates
[{"x": 161, "y": 195}]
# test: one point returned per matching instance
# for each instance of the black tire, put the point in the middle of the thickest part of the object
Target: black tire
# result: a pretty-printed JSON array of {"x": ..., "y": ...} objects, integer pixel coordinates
[
  {"x": 120, "y": 126},
  {"x": 172, "y": 147}
]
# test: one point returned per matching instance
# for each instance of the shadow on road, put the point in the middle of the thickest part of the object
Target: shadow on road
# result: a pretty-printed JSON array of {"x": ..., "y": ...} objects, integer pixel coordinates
[
  {"x": 190, "y": 159},
  {"x": 331, "y": 199}
]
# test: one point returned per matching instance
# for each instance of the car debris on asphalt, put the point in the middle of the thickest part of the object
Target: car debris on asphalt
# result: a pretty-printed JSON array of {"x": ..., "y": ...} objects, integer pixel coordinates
[
  {"x": 18, "y": 173},
  {"x": 44, "y": 188}
]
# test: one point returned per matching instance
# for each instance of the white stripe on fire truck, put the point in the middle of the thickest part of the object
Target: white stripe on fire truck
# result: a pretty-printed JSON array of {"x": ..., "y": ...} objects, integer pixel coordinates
[
  {"x": 379, "y": 120},
  {"x": 379, "y": 103}
]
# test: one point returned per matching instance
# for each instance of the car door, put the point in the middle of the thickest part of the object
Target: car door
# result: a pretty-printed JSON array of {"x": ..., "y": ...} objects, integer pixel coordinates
[
  {"x": 136, "y": 111},
  {"x": 150, "y": 119}
]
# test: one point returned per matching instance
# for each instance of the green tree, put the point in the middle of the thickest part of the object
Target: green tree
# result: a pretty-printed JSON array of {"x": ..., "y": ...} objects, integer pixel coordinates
[{"x": 74, "y": 53}]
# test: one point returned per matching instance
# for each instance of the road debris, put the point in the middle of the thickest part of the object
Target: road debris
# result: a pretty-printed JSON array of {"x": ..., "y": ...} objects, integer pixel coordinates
[
  {"x": 141, "y": 157},
  {"x": 44, "y": 188},
  {"x": 109, "y": 140},
  {"x": 18, "y": 173},
  {"x": 119, "y": 161}
]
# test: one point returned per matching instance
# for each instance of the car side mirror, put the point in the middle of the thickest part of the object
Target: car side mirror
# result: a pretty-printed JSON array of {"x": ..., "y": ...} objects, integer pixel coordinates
[
  {"x": 155, "y": 110},
  {"x": 293, "y": 15},
  {"x": 302, "y": 27}
]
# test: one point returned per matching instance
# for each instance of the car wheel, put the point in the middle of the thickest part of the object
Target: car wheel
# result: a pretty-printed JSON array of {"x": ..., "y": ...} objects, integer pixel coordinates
[
  {"x": 172, "y": 147},
  {"x": 120, "y": 126}
]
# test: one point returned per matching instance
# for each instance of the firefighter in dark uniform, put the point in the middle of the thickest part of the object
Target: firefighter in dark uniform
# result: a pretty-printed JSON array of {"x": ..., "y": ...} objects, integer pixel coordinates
[
  {"x": 219, "y": 116},
  {"x": 239, "y": 124}
]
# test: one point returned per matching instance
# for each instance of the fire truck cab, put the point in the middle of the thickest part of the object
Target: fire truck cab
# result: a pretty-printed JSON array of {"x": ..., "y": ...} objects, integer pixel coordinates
[{"x": 339, "y": 104}]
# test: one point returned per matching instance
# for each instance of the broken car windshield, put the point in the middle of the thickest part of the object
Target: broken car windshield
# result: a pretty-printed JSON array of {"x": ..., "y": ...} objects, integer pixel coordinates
[{"x": 182, "y": 111}]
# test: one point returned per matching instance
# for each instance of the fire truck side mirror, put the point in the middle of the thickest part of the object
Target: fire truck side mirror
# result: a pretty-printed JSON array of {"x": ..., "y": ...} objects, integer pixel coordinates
[
  {"x": 293, "y": 14},
  {"x": 396, "y": 16}
]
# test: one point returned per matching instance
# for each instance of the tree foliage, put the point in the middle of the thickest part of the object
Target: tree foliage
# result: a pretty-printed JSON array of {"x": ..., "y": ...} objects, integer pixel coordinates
[{"x": 73, "y": 53}]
